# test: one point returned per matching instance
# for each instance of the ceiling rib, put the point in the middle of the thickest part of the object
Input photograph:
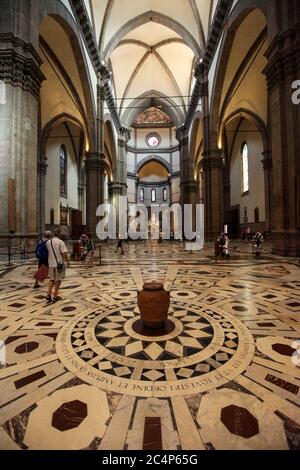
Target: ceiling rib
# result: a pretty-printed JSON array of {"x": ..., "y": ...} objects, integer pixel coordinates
[
  {"x": 141, "y": 63},
  {"x": 104, "y": 24},
  {"x": 199, "y": 22}
]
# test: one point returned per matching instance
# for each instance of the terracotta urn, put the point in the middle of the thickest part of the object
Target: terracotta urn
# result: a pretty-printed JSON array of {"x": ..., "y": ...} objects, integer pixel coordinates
[{"x": 154, "y": 303}]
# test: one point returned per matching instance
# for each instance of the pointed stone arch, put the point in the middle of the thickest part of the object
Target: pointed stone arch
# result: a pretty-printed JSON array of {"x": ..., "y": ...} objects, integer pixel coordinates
[{"x": 149, "y": 99}]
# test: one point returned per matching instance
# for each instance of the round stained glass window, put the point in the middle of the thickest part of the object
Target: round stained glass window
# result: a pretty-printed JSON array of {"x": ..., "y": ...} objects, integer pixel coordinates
[{"x": 153, "y": 140}]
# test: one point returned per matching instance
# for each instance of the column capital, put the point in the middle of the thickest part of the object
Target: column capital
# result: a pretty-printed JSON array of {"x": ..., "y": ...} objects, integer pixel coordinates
[
  {"x": 42, "y": 166},
  {"x": 213, "y": 159},
  {"x": 182, "y": 134},
  {"x": 20, "y": 64},
  {"x": 117, "y": 188},
  {"x": 191, "y": 186},
  {"x": 94, "y": 161},
  {"x": 267, "y": 160},
  {"x": 282, "y": 55}
]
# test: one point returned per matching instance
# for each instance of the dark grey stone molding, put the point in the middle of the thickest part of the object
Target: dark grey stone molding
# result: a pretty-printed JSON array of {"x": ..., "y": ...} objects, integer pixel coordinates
[
  {"x": 155, "y": 151},
  {"x": 84, "y": 22},
  {"x": 222, "y": 12},
  {"x": 20, "y": 64},
  {"x": 203, "y": 64},
  {"x": 83, "y": 19},
  {"x": 213, "y": 160},
  {"x": 283, "y": 55}
]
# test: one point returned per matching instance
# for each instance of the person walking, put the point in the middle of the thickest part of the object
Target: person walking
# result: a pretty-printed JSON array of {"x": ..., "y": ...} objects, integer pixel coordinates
[
  {"x": 41, "y": 253},
  {"x": 90, "y": 251},
  {"x": 58, "y": 260},
  {"x": 257, "y": 244},
  {"x": 120, "y": 245},
  {"x": 82, "y": 246},
  {"x": 217, "y": 250}
]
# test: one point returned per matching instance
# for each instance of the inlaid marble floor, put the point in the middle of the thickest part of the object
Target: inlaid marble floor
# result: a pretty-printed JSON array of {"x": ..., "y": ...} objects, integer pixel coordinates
[{"x": 76, "y": 375}]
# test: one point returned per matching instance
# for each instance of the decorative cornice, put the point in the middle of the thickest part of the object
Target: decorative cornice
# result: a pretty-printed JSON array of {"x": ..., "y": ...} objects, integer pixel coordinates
[
  {"x": 151, "y": 151},
  {"x": 283, "y": 56},
  {"x": 124, "y": 131},
  {"x": 20, "y": 64},
  {"x": 203, "y": 65},
  {"x": 83, "y": 19},
  {"x": 156, "y": 184},
  {"x": 101, "y": 69},
  {"x": 222, "y": 12}
]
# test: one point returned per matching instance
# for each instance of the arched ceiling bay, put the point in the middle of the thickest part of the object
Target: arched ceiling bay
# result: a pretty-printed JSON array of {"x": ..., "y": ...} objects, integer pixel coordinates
[{"x": 151, "y": 45}]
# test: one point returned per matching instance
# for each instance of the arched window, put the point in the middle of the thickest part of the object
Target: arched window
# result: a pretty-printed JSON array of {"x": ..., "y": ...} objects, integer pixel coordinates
[
  {"x": 165, "y": 195},
  {"x": 63, "y": 162},
  {"x": 256, "y": 215},
  {"x": 142, "y": 195},
  {"x": 153, "y": 195},
  {"x": 245, "y": 168}
]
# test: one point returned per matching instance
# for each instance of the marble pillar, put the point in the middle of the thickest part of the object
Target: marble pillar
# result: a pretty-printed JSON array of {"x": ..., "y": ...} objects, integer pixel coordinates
[
  {"x": 189, "y": 188},
  {"x": 213, "y": 171},
  {"x": 41, "y": 193},
  {"x": 20, "y": 80},
  {"x": 282, "y": 70},
  {"x": 118, "y": 187},
  {"x": 268, "y": 177},
  {"x": 95, "y": 169}
]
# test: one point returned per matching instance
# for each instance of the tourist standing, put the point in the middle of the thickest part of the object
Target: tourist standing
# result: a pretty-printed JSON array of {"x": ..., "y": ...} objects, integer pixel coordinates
[
  {"x": 90, "y": 251},
  {"x": 58, "y": 261},
  {"x": 82, "y": 246},
  {"x": 120, "y": 245},
  {"x": 41, "y": 253}
]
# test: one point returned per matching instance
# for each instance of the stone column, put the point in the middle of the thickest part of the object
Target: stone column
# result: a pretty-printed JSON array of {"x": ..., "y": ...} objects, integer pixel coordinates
[
  {"x": 41, "y": 200},
  {"x": 20, "y": 80},
  {"x": 189, "y": 189},
  {"x": 95, "y": 166},
  {"x": 94, "y": 188},
  {"x": 268, "y": 175},
  {"x": 118, "y": 187},
  {"x": 213, "y": 171},
  {"x": 81, "y": 188},
  {"x": 282, "y": 70}
]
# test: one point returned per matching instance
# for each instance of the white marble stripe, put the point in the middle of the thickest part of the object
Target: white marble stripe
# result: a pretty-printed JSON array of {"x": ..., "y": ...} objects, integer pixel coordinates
[
  {"x": 116, "y": 433},
  {"x": 25, "y": 402},
  {"x": 9, "y": 371}
]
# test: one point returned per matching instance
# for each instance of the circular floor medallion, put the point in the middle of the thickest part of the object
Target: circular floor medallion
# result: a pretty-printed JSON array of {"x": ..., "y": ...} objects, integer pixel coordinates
[{"x": 207, "y": 348}]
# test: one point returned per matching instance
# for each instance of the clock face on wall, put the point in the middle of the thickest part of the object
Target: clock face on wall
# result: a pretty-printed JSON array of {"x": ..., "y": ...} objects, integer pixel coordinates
[{"x": 153, "y": 140}]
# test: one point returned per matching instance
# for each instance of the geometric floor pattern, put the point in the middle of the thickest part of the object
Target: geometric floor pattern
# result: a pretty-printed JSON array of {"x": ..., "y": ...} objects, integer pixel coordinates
[{"x": 75, "y": 375}]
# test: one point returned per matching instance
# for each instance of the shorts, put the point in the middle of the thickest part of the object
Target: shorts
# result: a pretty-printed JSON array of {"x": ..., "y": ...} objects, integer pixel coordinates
[
  {"x": 43, "y": 263},
  {"x": 55, "y": 276}
]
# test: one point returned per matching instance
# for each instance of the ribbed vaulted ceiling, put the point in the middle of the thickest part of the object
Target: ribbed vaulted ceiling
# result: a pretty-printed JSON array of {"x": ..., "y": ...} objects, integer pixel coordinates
[{"x": 151, "y": 45}]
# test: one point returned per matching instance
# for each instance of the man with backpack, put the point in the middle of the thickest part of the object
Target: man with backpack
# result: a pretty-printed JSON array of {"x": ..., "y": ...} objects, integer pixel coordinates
[{"x": 41, "y": 253}]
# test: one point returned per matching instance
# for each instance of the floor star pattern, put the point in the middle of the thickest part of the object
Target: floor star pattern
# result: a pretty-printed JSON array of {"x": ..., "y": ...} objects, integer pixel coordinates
[{"x": 228, "y": 372}]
